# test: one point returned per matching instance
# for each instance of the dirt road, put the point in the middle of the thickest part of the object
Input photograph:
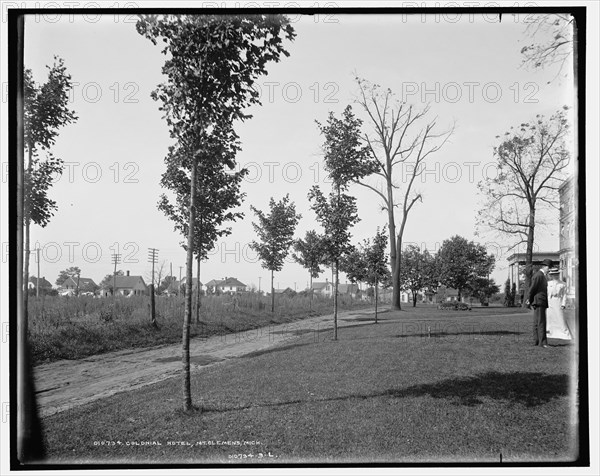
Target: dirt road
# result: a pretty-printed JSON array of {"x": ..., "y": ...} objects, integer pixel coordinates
[{"x": 69, "y": 383}]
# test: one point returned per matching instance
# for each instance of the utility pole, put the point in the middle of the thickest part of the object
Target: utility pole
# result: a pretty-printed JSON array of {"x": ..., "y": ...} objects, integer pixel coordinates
[
  {"x": 259, "y": 278},
  {"x": 116, "y": 258},
  {"x": 153, "y": 258},
  {"x": 37, "y": 286}
]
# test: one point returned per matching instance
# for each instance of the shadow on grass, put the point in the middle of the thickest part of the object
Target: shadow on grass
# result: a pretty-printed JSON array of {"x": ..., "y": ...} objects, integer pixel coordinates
[
  {"x": 526, "y": 388},
  {"x": 474, "y": 333},
  {"x": 274, "y": 349}
]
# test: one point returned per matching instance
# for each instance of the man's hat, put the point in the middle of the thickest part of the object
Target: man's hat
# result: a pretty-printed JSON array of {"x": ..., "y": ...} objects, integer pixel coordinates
[{"x": 547, "y": 262}]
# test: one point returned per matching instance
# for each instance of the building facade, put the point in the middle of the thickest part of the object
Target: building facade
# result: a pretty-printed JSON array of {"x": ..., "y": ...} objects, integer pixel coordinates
[{"x": 568, "y": 236}]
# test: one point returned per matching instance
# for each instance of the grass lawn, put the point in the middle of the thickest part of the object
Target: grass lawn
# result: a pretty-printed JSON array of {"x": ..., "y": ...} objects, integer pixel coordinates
[{"x": 421, "y": 386}]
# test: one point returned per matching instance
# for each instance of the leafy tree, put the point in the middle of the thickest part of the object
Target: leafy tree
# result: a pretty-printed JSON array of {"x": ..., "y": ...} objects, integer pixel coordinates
[
  {"x": 460, "y": 263},
  {"x": 483, "y": 288},
  {"x": 375, "y": 260},
  {"x": 509, "y": 299},
  {"x": 418, "y": 271},
  {"x": 70, "y": 272},
  {"x": 346, "y": 160},
  {"x": 45, "y": 112},
  {"x": 336, "y": 214},
  {"x": 308, "y": 252},
  {"x": 217, "y": 193},
  {"x": 212, "y": 64},
  {"x": 107, "y": 281},
  {"x": 276, "y": 234},
  {"x": 531, "y": 162},
  {"x": 399, "y": 142},
  {"x": 552, "y": 43}
]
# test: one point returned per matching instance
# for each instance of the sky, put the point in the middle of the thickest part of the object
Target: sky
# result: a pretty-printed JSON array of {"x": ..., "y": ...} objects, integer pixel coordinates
[{"x": 467, "y": 67}]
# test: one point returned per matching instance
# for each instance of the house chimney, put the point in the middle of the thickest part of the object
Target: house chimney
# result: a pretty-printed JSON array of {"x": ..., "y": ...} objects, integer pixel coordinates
[{"x": 127, "y": 272}]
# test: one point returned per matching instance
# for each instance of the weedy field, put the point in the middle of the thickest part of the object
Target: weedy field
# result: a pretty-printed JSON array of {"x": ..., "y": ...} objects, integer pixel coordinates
[
  {"x": 77, "y": 327},
  {"x": 422, "y": 385}
]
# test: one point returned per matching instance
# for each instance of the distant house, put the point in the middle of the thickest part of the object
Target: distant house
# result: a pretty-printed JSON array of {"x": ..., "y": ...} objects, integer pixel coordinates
[
  {"x": 327, "y": 289},
  {"x": 85, "y": 284},
  {"x": 43, "y": 283},
  {"x": 227, "y": 285},
  {"x": 284, "y": 292},
  {"x": 184, "y": 280},
  {"x": 128, "y": 286}
]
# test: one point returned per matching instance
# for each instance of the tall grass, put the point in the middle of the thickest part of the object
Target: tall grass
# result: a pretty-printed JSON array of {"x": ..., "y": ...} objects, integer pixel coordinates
[{"x": 79, "y": 327}]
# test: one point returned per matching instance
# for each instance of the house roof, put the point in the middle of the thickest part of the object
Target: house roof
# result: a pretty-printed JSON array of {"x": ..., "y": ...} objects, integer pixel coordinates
[
  {"x": 82, "y": 282},
  {"x": 128, "y": 281},
  {"x": 214, "y": 282},
  {"x": 44, "y": 283},
  {"x": 317, "y": 285},
  {"x": 194, "y": 281},
  {"x": 231, "y": 282}
]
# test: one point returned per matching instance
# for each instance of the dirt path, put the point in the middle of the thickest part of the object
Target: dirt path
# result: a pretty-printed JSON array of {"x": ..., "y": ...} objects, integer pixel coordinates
[{"x": 69, "y": 383}]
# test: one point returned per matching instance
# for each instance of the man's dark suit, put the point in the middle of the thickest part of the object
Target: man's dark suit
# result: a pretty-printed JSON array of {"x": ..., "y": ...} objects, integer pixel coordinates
[{"x": 538, "y": 298}]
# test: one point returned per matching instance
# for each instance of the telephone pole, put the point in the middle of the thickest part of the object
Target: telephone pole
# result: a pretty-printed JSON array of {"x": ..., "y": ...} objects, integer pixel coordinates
[
  {"x": 153, "y": 258},
  {"x": 116, "y": 259}
]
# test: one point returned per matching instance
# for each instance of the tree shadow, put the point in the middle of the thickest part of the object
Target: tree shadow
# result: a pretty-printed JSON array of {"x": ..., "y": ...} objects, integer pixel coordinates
[
  {"x": 258, "y": 353},
  {"x": 526, "y": 388},
  {"x": 473, "y": 333}
]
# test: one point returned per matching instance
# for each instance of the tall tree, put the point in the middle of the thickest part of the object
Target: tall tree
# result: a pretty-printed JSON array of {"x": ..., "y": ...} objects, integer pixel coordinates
[
  {"x": 399, "y": 143},
  {"x": 276, "y": 234},
  {"x": 308, "y": 252},
  {"x": 531, "y": 162},
  {"x": 418, "y": 271},
  {"x": 45, "y": 112},
  {"x": 460, "y": 262},
  {"x": 213, "y": 62},
  {"x": 71, "y": 272}
]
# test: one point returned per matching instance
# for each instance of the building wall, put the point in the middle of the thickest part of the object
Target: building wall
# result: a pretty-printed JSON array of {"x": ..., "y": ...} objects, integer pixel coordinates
[{"x": 568, "y": 226}]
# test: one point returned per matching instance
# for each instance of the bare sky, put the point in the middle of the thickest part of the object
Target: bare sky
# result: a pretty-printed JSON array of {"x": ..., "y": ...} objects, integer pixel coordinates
[{"x": 466, "y": 66}]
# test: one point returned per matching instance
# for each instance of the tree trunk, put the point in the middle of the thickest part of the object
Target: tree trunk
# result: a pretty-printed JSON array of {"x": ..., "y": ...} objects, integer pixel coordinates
[
  {"x": 27, "y": 225},
  {"x": 414, "y": 296},
  {"x": 529, "y": 253},
  {"x": 198, "y": 295},
  {"x": 396, "y": 276},
  {"x": 335, "y": 301},
  {"x": 30, "y": 445},
  {"x": 272, "y": 293},
  {"x": 393, "y": 250},
  {"x": 376, "y": 297},
  {"x": 187, "y": 318},
  {"x": 311, "y": 293}
]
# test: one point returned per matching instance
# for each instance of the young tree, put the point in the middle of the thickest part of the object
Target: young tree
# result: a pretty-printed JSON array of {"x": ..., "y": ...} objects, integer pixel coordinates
[
  {"x": 71, "y": 272},
  {"x": 531, "y": 162},
  {"x": 213, "y": 62},
  {"x": 276, "y": 234},
  {"x": 346, "y": 161},
  {"x": 45, "y": 112},
  {"x": 375, "y": 259},
  {"x": 309, "y": 254},
  {"x": 417, "y": 271},
  {"x": 508, "y": 297},
  {"x": 460, "y": 263},
  {"x": 336, "y": 214},
  {"x": 398, "y": 143}
]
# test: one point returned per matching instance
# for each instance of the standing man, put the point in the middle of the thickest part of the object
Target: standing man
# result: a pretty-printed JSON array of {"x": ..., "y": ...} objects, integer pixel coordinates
[{"x": 538, "y": 299}]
